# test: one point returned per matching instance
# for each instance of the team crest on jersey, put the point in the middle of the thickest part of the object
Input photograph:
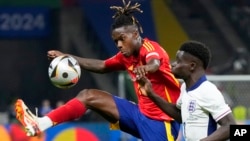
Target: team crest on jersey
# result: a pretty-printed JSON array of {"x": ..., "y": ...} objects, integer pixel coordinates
[{"x": 191, "y": 106}]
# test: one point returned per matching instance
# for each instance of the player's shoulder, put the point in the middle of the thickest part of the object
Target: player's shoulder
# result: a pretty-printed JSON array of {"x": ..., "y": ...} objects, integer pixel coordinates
[
  {"x": 148, "y": 42},
  {"x": 151, "y": 46},
  {"x": 208, "y": 83},
  {"x": 117, "y": 56},
  {"x": 208, "y": 87}
]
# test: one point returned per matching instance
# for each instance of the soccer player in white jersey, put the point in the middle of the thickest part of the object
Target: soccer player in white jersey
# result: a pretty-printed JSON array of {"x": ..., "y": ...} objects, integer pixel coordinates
[{"x": 201, "y": 107}]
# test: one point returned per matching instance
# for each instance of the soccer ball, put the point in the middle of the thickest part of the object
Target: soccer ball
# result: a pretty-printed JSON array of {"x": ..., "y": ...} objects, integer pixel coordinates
[{"x": 64, "y": 71}]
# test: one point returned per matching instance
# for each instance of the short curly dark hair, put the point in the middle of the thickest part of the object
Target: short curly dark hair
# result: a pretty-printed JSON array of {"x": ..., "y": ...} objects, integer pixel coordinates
[{"x": 199, "y": 50}]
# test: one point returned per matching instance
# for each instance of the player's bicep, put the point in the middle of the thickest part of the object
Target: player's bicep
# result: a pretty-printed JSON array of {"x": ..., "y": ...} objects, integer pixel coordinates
[
  {"x": 153, "y": 65},
  {"x": 152, "y": 56},
  {"x": 227, "y": 120}
]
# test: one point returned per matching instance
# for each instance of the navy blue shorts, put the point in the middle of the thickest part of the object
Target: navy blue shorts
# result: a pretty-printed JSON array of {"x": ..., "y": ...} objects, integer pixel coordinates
[{"x": 132, "y": 121}]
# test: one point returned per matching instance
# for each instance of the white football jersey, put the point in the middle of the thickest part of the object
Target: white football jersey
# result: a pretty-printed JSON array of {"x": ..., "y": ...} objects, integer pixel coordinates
[{"x": 201, "y": 107}]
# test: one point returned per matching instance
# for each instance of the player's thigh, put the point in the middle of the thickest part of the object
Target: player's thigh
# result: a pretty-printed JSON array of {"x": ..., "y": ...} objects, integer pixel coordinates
[
  {"x": 154, "y": 130},
  {"x": 101, "y": 102},
  {"x": 128, "y": 112},
  {"x": 132, "y": 121}
]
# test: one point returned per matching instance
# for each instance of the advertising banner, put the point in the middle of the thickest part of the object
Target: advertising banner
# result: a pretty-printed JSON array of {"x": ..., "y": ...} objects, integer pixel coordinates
[{"x": 24, "y": 22}]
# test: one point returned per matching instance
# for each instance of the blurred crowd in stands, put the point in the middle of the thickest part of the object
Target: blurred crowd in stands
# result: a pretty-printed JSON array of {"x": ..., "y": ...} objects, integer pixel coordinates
[{"x": 238, "y": 14}]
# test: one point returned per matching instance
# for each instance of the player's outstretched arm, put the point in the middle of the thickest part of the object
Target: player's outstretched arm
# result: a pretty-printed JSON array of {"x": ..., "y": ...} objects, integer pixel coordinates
[
  {"x": 223, "y": 132},
  {"x": 168, "y": 108},
  {"x": 51, "y": 54},
  {"x": 93, "y": 65}
]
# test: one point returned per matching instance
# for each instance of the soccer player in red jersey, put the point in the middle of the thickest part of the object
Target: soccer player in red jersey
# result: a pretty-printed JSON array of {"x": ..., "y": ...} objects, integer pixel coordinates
[{"x": 139, "y": 57}]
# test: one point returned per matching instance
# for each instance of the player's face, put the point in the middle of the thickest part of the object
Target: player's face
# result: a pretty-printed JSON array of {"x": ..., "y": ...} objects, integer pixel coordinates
[
  {"x": 126, "y": 40},
  {"x": 182, "y": 66}
]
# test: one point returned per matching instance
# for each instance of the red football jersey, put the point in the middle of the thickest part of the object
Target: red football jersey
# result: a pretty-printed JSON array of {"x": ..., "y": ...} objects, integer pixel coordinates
[{"x": 163, "y": 81}]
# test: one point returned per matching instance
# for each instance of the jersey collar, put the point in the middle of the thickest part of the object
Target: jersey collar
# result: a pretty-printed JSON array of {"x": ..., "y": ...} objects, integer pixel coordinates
[{"x": 198, "y": 83}]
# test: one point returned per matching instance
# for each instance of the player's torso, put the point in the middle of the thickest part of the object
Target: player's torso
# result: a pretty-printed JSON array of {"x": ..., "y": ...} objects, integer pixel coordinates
[
  {"x": 160, "y": 80},
  {"x": 192, "y": 112},
  {"x": 196, "y": 121}
]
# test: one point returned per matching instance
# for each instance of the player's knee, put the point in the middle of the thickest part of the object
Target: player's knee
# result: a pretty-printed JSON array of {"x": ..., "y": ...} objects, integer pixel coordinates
[{"x": 86, "y": 96}]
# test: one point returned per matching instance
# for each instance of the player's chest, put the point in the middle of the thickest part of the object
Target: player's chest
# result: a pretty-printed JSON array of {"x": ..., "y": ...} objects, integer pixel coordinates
[
  {"x": 133, "y": 62},
  {"x": 191, "y": 107}
]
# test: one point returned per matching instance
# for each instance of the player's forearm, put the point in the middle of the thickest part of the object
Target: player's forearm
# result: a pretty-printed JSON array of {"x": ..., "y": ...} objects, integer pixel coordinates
[
  {"x": 93, "y": 65},
  {"x": 153, "y": 65},
  {"x": 168, "y": 108},
  {"x": 221, "y": 134}
]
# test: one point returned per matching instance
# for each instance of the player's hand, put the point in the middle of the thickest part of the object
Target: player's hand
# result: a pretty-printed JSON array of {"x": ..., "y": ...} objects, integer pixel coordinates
[
  {"x": 145, "y": 86},
  {"x": 140, "y": 71},
  {"x": 53, "y": 54}
]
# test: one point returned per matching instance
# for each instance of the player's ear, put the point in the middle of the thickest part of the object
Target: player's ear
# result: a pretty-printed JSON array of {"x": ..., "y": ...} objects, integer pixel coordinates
[
  {"x": 136, "y": 33},
  {"x": 193, "y": 65}
]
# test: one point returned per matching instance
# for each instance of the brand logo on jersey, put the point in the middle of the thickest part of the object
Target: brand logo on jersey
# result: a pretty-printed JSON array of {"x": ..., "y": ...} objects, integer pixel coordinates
[
  {"x": 131, "y": 68},
  {"x": 192, "y": 106}
]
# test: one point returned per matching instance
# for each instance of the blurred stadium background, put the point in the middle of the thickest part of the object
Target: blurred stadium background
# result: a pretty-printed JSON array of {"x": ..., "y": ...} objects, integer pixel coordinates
[{"x": 29, "y": 28}]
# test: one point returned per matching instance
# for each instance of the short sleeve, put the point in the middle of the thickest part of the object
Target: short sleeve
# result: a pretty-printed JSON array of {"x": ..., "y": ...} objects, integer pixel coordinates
[
  {"x": 115, "y": 63},
  {"x": 214, "y": 103}
]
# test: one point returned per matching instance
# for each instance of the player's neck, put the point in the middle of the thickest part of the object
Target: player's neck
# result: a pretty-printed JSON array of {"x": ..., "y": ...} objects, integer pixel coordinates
[{"x": 193, "y": 79}]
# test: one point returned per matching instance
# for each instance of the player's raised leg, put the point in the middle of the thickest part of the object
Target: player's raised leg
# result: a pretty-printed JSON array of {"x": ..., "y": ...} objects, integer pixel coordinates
[{"x": 97, "y": 100}]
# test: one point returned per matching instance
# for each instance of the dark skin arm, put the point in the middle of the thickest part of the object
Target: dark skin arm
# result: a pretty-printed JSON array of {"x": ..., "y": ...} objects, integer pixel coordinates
[
  {"x": 93, "y": 65},
  {"x": 151, "y": 67},
  {"x": 166, "y": 107},
  {"x": 98, "y": 66},
  {"x": 223, "y": 132}
]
